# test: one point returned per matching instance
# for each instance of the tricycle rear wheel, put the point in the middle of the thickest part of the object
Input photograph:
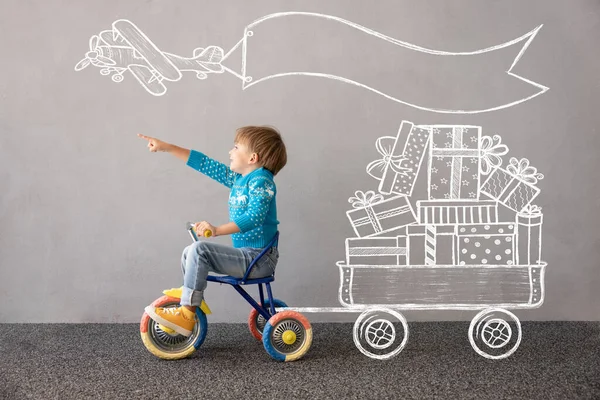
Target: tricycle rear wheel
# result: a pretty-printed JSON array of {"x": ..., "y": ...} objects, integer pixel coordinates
[
  {"x": 256, "y": 322},
  {"x": 287, "y": 336}
]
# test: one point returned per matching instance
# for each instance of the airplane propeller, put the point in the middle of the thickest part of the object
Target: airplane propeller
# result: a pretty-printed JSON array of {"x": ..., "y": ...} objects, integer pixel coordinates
[{"x": 93, "y": 56}]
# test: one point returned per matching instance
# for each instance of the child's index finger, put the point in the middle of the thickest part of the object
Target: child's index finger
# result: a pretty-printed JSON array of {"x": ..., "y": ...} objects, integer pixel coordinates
[{"x": 142, "y": 136}]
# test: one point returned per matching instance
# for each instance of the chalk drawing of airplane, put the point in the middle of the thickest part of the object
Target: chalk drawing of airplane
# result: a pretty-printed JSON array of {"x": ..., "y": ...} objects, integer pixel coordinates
[{"x": 126, "y": 48}]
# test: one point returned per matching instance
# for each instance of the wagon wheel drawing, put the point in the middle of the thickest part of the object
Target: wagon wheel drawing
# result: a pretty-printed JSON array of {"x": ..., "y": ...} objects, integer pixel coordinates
[
  {"x": 380, "y": 333},
  {"x": 495, "y": 333}
]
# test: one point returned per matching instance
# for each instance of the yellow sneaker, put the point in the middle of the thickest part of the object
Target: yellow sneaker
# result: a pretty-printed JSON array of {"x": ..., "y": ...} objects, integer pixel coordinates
[
  {"x": 176, "y": 292},
  {"x": 172, "y": 318}
]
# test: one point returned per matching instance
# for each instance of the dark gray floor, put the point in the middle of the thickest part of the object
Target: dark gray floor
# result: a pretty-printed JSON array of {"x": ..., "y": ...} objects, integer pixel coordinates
[{"x": 94, "y": 361}]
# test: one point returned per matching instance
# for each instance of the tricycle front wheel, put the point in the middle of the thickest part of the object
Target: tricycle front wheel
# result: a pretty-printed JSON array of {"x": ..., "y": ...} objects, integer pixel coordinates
[{"x": 171, "y": 346}]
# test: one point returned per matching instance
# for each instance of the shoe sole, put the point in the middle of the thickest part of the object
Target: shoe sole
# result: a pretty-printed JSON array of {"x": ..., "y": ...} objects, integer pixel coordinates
[{"x": 182, "y": 331}]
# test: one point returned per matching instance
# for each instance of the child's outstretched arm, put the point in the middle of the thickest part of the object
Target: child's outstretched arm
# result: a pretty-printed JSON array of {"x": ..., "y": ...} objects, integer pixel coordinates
[
  {"x": 155, "y": 145},
  {"x": 212, "y": 168},
  {"x": 199, "y": 161}
]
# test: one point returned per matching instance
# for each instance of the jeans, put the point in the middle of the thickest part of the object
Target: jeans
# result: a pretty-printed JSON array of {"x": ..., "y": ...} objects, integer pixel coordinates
[{"x": 202, "y": 257}]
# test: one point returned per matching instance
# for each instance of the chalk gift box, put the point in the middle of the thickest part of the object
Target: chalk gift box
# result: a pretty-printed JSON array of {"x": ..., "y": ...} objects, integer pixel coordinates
[
  {"x": 376, "y": 251},
  {"x": 486, "y": 244},
  {"x": 457, "y": 212},
  {"x": 374, "y": 216},
  {"x": 529, "y": 235},
  {"x": 398, "y": 169},
  {"x": 458, "y": 156},
  {"x": 430, "y": 245},
  {"x": 454, "y": 160},
  {"x": 514, "y": 186}
]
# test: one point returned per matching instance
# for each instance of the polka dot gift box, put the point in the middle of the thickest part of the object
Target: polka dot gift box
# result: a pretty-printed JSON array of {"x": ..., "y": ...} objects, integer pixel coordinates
[
  {"x": 480, "y": 244},
  {"x": 401, "y": 159}
]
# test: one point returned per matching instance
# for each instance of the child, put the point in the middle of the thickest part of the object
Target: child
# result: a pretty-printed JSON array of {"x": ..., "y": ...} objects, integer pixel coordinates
[{"x": 257, "y": 156}]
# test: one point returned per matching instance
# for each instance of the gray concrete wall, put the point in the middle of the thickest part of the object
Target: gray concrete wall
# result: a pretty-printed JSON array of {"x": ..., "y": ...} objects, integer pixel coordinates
[{"x": 92, "y": 224}]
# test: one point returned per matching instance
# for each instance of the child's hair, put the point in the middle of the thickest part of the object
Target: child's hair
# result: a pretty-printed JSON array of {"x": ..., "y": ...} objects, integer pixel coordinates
[{"x": 265, "y": 141}]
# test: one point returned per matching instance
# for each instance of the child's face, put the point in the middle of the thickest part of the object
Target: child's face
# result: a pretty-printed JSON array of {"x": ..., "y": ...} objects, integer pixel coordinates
[{"x": 241, "y": 159}]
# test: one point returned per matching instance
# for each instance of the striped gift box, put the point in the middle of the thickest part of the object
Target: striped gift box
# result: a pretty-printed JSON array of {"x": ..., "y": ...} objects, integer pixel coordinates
[
  {"x": 376, "y": 251},
  {"x": 430, "y": 244},
  {"x": 457, "y": 212}
]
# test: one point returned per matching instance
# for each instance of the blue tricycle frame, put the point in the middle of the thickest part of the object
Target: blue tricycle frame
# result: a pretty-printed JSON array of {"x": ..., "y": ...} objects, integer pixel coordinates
[{"x": 286, "y": 335}]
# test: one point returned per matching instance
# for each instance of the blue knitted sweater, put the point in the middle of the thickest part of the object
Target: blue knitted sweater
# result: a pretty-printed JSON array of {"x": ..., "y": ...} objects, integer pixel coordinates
[{"x": 252, "y": 203}]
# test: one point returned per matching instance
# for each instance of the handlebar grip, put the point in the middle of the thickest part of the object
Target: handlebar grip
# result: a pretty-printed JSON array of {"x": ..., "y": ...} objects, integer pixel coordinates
[{"x": 192, "y": 231}]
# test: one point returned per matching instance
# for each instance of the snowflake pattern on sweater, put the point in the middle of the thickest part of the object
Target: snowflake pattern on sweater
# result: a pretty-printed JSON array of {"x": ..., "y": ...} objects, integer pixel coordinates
[{"x": 252, "y": 204}]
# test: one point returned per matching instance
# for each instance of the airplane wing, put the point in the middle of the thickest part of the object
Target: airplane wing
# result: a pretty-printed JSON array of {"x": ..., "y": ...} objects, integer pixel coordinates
[
  {"x": 146, "y": 49},
  {"x": 147, "y": 78},
  {"x": 108, "y": 38}
]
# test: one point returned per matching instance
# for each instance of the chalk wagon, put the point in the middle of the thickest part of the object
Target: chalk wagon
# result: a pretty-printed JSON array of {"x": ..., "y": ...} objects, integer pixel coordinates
[
  {"x": 380, "y": 292},
  {"x": 381, "y": 276}
]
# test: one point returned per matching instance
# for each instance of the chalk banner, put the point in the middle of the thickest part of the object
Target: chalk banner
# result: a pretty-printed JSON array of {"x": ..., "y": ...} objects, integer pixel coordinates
[{"x": 318, "y": 45}]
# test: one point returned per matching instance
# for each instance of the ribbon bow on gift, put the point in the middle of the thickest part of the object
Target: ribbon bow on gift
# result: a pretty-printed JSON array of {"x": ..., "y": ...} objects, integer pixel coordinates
[
  {"x": 531, "y": 211},
  {"x": 377, "y": 168},
  {"x": 491, "y": 152},
  {"x": 523, "y": 171},
  {"x": 361, "y": 199}
]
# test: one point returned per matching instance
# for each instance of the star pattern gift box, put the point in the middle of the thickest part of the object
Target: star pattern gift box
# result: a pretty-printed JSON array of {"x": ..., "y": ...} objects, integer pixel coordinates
[
  {"x": 458, "y": 157},
  {"x": 454, "y": 159}
]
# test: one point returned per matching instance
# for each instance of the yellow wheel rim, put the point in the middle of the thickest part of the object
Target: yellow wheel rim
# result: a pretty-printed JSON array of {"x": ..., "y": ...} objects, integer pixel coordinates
[{"x": 288, "y": 337}]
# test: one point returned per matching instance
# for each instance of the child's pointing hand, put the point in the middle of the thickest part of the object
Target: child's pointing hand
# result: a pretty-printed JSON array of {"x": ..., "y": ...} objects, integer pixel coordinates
[{"x": 155, "y": 145}]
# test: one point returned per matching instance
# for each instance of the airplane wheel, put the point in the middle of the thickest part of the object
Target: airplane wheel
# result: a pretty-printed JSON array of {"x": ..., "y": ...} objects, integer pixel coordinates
[
  {"x": 171, "y": 346},
  {"x": 117, "y": 78}
]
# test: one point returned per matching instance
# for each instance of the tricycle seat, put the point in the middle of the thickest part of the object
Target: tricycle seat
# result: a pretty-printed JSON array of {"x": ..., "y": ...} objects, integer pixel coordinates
[
  {"x": 231, "y": 280},
  {"x": 238, "y": 281}
]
